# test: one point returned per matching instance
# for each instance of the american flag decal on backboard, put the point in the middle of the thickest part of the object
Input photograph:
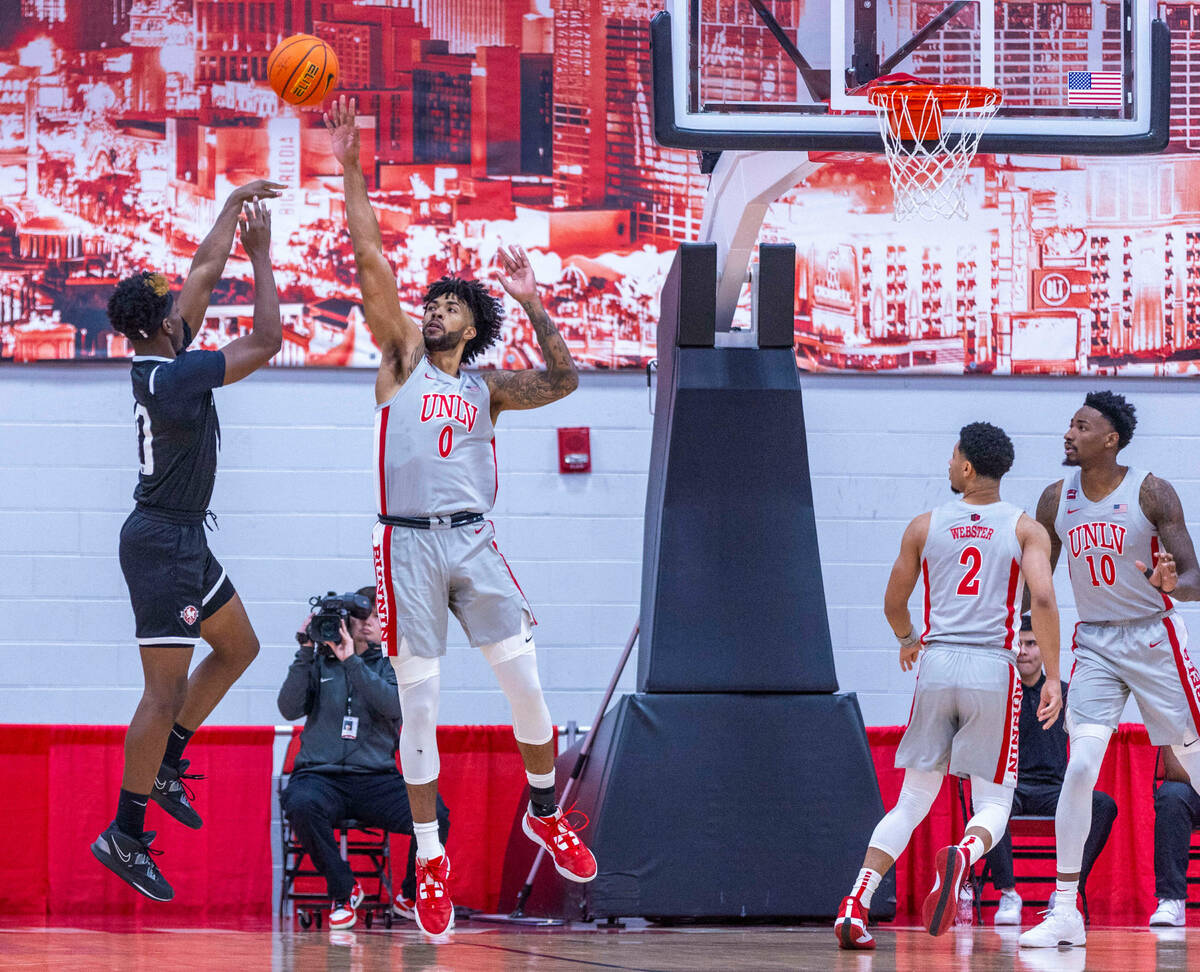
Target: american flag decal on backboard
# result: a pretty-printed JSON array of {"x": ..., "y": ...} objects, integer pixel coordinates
[{"x": 1103, "y": 89}]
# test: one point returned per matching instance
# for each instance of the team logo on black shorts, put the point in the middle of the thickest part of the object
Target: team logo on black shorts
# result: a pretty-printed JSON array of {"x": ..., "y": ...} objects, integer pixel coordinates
[{"x": 190, "y": 614}]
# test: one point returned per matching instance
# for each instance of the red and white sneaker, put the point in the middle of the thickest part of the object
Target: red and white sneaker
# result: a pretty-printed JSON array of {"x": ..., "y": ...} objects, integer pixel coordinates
[
  {"x": 571, "y": 858},
  {"x": 344, "y": 914},
  {"x": 403, "y": 907},
  {"x": 941, "y": 904},
  {"x": 434, "y": 911},
  {"x": 850, "y": 925}
]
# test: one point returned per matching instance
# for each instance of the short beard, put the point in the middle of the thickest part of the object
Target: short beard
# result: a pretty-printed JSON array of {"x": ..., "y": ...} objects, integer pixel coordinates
[
  {"x": 447, "y": 342},
  {"x": 1070, "y": 462},
  {"x": 956, "y": 492}
]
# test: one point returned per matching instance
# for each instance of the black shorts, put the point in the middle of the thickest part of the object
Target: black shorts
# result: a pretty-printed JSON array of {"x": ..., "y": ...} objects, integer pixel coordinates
[{"x": 174, "y": 580}]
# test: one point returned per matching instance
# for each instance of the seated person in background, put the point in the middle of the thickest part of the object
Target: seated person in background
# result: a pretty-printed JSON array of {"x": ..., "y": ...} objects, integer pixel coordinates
[
  {"x": 346, "y": 768},
  {"x": 1176, "y": 815},
  {"x": 1043, "y": 762}
]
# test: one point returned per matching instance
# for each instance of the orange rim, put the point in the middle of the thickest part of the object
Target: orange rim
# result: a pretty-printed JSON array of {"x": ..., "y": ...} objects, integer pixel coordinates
[{"x": 915, "y": 110}]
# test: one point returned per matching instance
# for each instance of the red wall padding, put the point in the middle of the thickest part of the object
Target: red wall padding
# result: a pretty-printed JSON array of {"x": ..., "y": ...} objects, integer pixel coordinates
[
  {"x": 1120, "y": 887},
  {"x": 58, "y": 790},
  {"x": 58, "y": 787}
]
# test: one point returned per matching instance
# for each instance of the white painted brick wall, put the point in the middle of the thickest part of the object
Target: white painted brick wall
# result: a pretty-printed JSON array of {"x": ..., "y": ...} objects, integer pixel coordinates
[{"x": 294, "y": 494}]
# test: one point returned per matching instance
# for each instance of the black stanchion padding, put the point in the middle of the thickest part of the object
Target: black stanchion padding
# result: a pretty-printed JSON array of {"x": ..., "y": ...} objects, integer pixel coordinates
[
  {"x": 718, "y": 806},
  {"x": 776, "y": 320}
]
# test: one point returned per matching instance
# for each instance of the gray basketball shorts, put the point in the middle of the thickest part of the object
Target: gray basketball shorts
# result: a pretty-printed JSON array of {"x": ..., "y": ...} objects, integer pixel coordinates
[
  {"x": 1148, "y": 658},
  {"x": 966, "y": 714},
  {"x": 421, "y": 575}
]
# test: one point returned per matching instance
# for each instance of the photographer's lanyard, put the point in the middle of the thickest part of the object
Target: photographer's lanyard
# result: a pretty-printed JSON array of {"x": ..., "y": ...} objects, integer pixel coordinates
[{"x": 349, "y": 722}]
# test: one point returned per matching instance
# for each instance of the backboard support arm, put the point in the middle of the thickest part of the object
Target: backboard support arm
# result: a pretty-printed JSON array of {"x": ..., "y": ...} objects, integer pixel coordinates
[{"x": 742, "y": 186}]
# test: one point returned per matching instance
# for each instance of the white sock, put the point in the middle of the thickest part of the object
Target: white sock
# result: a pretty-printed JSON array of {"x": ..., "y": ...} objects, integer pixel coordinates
[
  {"x": 973, "y": 845},
  {"x": 429, "y": 845},
  {"x": 1065, "y": 893},
  {"x": 865, "y": 885},
  {"x": 540, "y": 780}
]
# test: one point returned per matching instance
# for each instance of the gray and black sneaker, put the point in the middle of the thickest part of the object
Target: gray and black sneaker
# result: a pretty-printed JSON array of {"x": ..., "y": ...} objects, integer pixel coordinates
[
  {"x": 129, "y": 858},
  {"x": 174, "y": 795}
]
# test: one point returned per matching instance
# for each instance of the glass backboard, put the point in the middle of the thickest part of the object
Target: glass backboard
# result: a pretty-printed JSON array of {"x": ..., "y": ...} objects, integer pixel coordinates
[{"x": 1079, "y": 76}]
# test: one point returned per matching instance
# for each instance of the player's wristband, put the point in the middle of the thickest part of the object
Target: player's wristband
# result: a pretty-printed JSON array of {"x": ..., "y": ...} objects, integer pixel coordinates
[{"x": 908, "y": 640}]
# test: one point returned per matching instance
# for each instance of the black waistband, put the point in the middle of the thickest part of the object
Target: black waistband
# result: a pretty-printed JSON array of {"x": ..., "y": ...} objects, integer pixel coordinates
[
  {"x": 185, "y": 517},
  {"x": 432, "y": 522}
]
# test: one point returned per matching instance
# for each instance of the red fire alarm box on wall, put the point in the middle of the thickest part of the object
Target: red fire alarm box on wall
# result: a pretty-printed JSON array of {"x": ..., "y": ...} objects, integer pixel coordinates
[{"x": 575, "y": 450}]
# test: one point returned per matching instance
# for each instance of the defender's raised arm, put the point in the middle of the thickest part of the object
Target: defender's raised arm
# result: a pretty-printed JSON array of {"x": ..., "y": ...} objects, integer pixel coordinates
[
  {"x": 397, "y": 334},
  {"x": 531, "y": 387}
]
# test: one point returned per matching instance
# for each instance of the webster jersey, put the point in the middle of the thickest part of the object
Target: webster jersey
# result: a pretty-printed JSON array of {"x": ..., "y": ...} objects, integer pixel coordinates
[
  {"x": 971, "y": 566},
  {"x": 1102, "y": 541},
  {"x": 178, "y": 435},
  {"x": 435, "y": 446}
]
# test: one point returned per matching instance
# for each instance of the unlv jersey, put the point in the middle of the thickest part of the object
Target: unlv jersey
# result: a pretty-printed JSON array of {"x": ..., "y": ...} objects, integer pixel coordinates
[
  {"x": 435, "y": 446},
  {"x": 1103, "y": 541},
  {"x": 971, "y": 566}
]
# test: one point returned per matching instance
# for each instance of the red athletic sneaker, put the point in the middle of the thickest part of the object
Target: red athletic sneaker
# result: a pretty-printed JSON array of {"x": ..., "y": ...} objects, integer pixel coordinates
[
  {"x": 344, "y": 914},
  {"x": 571, "y": 859},
  {"x": 850, "y": 926},
  {"x": 941, "y": 904},
  {"x": 434, "y": 911}
]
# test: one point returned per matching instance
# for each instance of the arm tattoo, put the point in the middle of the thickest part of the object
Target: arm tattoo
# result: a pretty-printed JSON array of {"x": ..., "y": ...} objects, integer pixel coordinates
[
  {"x": 1047, "y": 510},
  {"x": 1160, "y": 503},
  {"x": 532, "y": 388}
]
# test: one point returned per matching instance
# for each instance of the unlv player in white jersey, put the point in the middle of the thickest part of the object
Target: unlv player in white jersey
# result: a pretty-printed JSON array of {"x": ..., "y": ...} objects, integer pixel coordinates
[
  {"x": 971, "y": 553},
  {"x": 1130, "y": 557},
  {"x": 434, "y": 551}
]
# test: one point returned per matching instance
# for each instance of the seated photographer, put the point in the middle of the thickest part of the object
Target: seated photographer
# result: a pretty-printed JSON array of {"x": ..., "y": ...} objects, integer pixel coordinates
[
  {"x": 1042, "y": 755},
  {"x": 346, "y": 769}
]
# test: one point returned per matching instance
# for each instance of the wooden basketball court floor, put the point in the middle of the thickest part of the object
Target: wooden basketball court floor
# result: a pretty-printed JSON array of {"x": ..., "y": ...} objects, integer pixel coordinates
[{"x": 478, "y": 947}]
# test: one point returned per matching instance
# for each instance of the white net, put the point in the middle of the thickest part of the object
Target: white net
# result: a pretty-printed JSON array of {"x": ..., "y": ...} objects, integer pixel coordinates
[{"x": 928, "y": 163}]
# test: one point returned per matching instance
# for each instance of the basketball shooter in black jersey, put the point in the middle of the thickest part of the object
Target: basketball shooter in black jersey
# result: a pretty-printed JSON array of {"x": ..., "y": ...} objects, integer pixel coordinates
[{"x": 180, "y": 594}]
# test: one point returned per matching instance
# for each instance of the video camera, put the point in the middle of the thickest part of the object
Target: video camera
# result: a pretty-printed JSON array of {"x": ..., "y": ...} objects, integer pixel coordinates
[{"x": 325, "y": 626}]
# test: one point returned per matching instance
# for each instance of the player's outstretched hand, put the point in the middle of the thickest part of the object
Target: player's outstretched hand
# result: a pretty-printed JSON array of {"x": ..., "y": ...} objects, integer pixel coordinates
[
  {"x": 1164, "y": 577},
  {"x": 343, "y": 133},
  {"x": 515, "y": 274},
  {"x": 908, "y": 655},
  {"x": 258, "y": 189},
  {"x": 1051, "y": 704},
  {"x": 255, "y": 228}
]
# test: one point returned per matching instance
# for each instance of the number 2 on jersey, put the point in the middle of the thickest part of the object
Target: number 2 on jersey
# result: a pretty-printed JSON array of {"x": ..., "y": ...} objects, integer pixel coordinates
[
  {"x": 972, "y": 559},
  {"x": 141, "y": 419}
]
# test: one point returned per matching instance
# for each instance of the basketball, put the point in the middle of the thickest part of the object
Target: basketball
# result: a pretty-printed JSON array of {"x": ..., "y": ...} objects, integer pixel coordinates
[{"x": 302, "y": 70}]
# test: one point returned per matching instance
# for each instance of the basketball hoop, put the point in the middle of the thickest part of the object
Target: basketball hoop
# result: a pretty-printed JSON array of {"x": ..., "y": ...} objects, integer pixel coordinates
[{"x": 927, "y": 162}]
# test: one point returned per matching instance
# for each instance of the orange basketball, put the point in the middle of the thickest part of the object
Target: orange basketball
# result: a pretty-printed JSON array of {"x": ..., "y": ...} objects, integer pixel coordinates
[{"x": 302, "y": 69}]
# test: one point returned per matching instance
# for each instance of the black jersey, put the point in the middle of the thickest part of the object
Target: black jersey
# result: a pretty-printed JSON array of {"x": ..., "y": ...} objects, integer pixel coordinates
[{"x": 178, "y": 435}]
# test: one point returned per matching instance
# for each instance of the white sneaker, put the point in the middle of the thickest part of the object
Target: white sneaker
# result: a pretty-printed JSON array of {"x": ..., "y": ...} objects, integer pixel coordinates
[
  {"x": 344, "y": 914},
  {"x": 1057, "y": 928},
  {"x": 1169, "y": 912},
  {"x": 1009, "y": 911}
]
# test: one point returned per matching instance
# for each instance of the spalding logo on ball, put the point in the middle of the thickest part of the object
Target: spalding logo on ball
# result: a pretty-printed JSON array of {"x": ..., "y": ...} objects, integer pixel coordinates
[{"x": 302, "y": 70}]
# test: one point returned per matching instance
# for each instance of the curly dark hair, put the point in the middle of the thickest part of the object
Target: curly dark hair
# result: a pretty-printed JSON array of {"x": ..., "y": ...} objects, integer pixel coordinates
[
  {"x": 987, "y": 448},
  {"x": 1120, "y": 414},
  {"x": 139, "y": 305},
  {"x": 486, "y": 311}
]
